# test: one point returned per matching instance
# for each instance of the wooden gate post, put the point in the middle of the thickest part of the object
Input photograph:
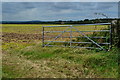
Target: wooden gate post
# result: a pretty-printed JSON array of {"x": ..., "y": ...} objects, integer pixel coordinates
[{"x": 116, "y": 33}]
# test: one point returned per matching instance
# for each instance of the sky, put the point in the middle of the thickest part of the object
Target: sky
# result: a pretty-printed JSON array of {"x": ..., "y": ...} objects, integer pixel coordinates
[
  {"x": 60, "y": 0},
  {"x": 50, "y": 11}
]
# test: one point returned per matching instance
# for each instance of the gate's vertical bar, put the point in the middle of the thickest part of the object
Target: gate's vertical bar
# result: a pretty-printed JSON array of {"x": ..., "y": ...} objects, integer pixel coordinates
[
  {"x": 43, "y": 36},
  {"x": 110, "y": 46},
  {"x": 70, "y": 35}
]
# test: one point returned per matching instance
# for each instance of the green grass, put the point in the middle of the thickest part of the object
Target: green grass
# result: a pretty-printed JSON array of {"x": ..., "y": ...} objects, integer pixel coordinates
[
  {"x": 30, "y": 60},
  {"x": 61, "y": 61}
]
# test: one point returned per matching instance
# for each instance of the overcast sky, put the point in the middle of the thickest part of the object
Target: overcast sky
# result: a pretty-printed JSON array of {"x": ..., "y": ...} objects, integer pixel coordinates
[
  {"x": 60, "y": 0},
  {"x": 46, "y": 11}
]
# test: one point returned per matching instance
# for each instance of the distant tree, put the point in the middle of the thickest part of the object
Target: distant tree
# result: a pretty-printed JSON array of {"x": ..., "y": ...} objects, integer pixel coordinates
[{"x": 86, "y": 20}]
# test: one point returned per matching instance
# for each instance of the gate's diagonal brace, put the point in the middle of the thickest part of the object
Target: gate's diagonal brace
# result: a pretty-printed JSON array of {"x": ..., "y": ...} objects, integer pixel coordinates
[
  {"x": 88, "y": 38},
  {"x": 58, "y": 36}
]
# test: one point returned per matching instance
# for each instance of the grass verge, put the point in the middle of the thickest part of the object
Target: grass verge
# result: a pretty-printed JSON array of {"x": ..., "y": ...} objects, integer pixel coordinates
[{"x": 28, "y": 61}]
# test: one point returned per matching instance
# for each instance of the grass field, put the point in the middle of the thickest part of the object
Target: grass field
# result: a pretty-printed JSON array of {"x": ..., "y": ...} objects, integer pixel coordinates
[
  {"x": 37, "y": 28},
  {"x": 23, "y": 56}
]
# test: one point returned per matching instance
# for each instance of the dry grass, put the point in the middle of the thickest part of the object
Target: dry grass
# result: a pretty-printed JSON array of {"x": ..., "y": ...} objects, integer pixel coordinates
[{"x": 27, "y": 59}]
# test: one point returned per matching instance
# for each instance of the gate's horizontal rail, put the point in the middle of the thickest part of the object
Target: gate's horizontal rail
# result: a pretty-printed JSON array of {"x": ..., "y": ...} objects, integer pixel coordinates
[
  {"x": 94, "y": 24},
  {"x": 77, "y": 31},
  {"x": 58, "y": 26},
  {"x": 76, "y": 37},
  {"x": 74, "y": 42},
  {"x": 78, "y": 25},
  {"x": 73, "y": 47}
]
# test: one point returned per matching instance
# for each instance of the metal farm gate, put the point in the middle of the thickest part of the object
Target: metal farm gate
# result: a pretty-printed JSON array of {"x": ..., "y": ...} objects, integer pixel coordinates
[{"x": 78, "y": 36}]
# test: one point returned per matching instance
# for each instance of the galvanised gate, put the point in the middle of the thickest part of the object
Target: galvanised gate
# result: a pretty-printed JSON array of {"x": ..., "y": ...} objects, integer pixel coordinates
[{"x": 90, "y": 36}]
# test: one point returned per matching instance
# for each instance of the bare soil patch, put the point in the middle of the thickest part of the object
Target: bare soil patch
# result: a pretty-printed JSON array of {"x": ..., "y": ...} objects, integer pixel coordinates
[{"x": 8, "y": 37}]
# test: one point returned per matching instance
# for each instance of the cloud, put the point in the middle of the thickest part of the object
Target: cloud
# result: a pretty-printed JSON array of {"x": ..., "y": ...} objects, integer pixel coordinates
[
  {"x": 56, "y": 10},
  {"x": 60, "y": 1},
  {"x": 0, "y": 11},
  {"x": 82, "y": 5},
  {"x": 15, "y": 7}
]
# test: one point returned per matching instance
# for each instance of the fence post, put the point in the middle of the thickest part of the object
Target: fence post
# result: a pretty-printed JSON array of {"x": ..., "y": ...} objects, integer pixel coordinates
[
  {"x": 43, "y": 36},
  {"x": 118, "y": 27}
]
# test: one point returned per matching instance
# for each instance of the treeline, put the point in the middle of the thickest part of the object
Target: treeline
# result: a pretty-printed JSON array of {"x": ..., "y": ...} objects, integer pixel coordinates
[{"x": 86, "y": 21}]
